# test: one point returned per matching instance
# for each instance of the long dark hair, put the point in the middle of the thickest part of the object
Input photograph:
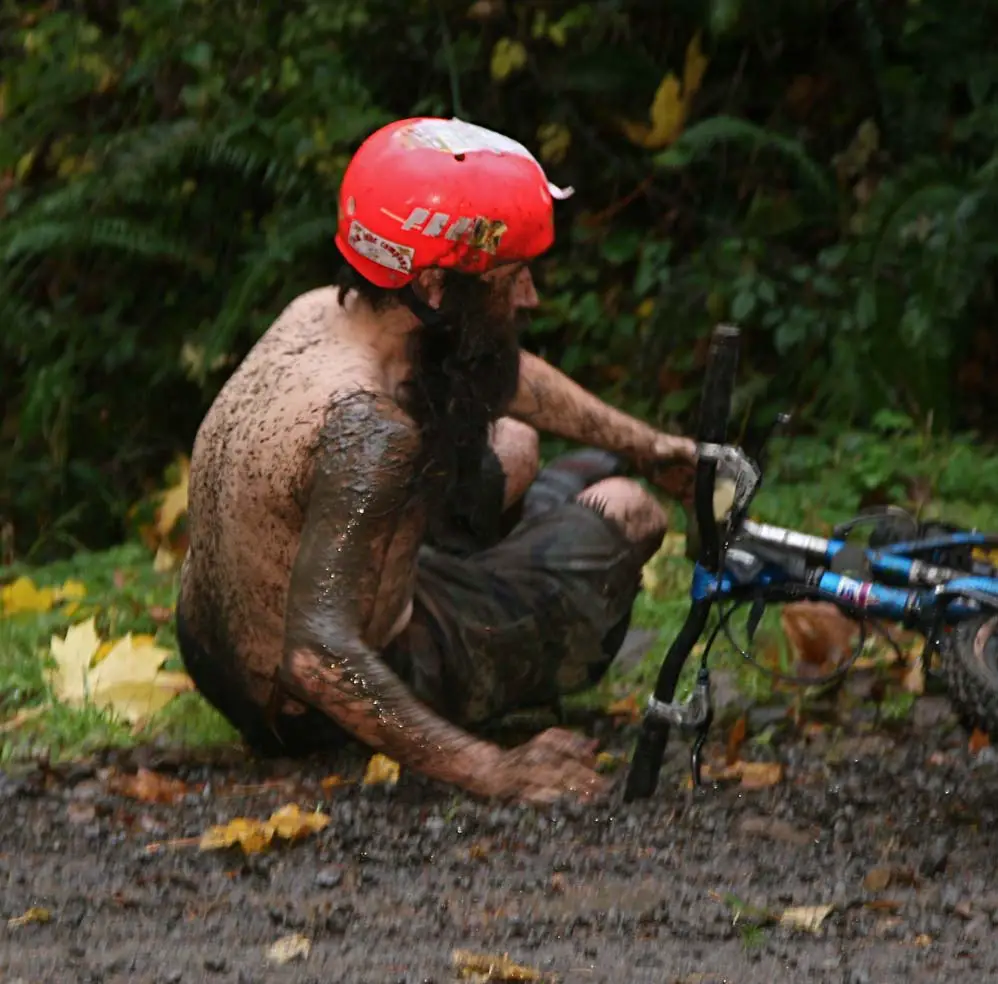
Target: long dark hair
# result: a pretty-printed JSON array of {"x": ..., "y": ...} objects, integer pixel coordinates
[{"x": 464, "y": 373}]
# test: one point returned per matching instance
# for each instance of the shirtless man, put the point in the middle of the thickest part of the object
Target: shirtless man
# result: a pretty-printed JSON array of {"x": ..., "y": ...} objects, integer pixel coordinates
[{"x": 372, "y": 550}]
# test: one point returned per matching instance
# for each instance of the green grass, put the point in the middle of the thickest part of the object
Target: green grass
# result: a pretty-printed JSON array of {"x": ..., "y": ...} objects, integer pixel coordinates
[
  {"x": 811, "y": 485},
  {"x": 122, "y": 587}
]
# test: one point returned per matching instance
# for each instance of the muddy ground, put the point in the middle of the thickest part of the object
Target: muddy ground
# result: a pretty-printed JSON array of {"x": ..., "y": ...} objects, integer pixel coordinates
[{"x": 403, "y": 876}]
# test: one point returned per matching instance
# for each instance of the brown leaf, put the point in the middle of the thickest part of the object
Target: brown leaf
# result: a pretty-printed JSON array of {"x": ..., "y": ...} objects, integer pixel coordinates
[
  {"x": 735, "y": 738},
  {"x": 148, "y": 786},
  {"x": 820, "y": 635},
  {"x": 160, "y": 614},
  {"x": 883, "y": 905},
  {"x": 753, "y": 775},
  {"x": 978, "y": 740},
  {"x": 329, "y": 783},
  {"x": 772, "y": 829},
  {"x": 877, "y": 880}
]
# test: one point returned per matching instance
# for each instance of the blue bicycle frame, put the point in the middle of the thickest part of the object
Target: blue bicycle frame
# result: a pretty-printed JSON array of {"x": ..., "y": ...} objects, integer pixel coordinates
[
  {"x": 740, "y": 561},
  {"x": 927, "y": 591}
]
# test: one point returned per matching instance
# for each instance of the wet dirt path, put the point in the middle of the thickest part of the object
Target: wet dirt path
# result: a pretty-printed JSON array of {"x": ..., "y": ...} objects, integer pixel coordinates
[{"x": 403, "y": 876}]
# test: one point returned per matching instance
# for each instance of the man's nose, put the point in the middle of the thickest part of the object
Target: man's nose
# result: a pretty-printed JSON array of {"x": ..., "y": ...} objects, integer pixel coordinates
[{"x": 524, "y": 291}]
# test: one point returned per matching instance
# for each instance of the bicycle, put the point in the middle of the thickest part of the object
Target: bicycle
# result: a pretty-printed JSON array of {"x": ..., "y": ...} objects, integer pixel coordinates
[{"x": 923, "y": 577}]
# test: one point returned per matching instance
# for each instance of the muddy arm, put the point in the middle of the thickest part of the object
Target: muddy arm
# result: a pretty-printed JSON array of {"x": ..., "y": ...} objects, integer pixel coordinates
[
  {"x": 358, "y": 549},
  {"x": 550, "y": 401}
]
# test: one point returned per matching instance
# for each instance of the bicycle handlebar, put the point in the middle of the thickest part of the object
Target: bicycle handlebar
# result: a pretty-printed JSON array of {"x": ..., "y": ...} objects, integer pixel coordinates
[{"x": 715, "y": 408}]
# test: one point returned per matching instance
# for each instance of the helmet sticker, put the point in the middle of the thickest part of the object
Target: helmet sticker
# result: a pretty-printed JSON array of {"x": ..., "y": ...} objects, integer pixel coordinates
[
  {"x": 454, "y": 136},
  {"x": 457, "y": 137},
  {"x": 479, "y": 232},
  {"x": 393, "y": 256}
]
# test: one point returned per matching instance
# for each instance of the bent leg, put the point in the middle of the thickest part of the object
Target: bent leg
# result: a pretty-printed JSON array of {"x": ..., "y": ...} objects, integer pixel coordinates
[
  {"x": 636, "y": 512},
  {"x": 517, "y": 446},
  {"x": 538, "y": 616}
]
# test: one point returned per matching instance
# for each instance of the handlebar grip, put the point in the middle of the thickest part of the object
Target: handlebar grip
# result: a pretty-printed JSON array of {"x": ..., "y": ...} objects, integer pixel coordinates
[
  {"x": 715, "y": 408},
  {"x": 719, "y": 384}
]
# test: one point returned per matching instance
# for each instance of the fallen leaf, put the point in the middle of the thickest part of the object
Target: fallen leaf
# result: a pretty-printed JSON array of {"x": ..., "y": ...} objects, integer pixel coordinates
[
  {"x": 914, "y": 676},
  {"x": 626, "y": 707},
  {"x": 288, "y": 948},
  {"x": 735, "y": 738},
  {"x": 290, "y": 823},
  {"x": 332, "y": 782},
  {"x": 148, "y": 786},
  {"x": 253, "y": 836},
  {"x": 160, "y": 614},
  {"x": 883, "y": 905},
  {"x": 73, "y": 655},
  {"x": 494, "y": 970},
  {"x": 978, "y": 741},
  {"x": 127, "y": 680},
  {"x": 753, "y": 775},
  {"x": 877, "y": 880},
  {"x": 381, "y": 769},
  {"x": 923, "y": 939},
  {"x": 36, "y": 914},
  {"x": 608, "y": 762},
  {"x": 22, "y": 596},
  {"x": 807, "y": 917},
  {"x": 773, "y": 829},
  {"x": 820, "y": 635}
]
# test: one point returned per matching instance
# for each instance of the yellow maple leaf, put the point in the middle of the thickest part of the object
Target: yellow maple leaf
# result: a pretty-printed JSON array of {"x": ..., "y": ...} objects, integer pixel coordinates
[
  {"x": 73, "y": 655},
  {"x": 127, "y": 681},
  {"x": 23, "y": 595}
]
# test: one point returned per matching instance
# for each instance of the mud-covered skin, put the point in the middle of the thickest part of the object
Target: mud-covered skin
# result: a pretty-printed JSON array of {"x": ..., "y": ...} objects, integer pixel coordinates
[
  {"x": 307, "y": 511},
  {"x": 352, "y": 583},
  {"x": 548, "y": 400}
]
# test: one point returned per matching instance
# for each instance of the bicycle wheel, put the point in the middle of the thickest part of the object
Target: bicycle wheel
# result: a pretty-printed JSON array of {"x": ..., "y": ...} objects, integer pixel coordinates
[{"x": 969, "y": 667}]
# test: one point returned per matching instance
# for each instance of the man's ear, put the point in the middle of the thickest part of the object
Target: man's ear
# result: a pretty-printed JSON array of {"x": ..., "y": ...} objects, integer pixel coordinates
[{"x": 429, "y": 287}]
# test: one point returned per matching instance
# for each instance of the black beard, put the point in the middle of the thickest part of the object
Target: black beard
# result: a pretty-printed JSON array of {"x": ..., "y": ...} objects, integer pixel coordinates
[{"x": 464, "y": 373}]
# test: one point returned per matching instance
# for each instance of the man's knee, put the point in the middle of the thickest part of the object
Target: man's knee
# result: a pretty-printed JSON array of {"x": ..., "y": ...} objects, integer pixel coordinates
[
  {"x": 635, "y": 510},
  {"x": 517, "y": 446}
]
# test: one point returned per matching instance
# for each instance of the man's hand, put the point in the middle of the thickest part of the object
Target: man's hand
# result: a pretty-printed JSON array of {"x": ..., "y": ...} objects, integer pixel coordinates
[
  {"x": 671, "y": 466},
  {"x": 556, "y": 764}
]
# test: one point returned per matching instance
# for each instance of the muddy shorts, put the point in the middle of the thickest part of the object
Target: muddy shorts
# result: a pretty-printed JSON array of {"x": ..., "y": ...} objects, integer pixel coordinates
[{"x": 538, "y": 614}]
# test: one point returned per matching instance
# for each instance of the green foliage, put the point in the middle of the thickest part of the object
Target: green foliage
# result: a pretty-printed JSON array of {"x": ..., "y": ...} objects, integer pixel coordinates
[{"x": 168, "y": 173}]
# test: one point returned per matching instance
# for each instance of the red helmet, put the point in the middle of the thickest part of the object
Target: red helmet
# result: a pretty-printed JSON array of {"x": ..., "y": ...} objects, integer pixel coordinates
[{"x": 430, "y": 192}]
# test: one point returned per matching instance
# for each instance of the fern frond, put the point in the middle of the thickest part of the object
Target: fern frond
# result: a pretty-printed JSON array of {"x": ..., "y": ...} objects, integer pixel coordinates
[
  {"x": 128, "y": 237},
  {"x": 280, "y": 249},
  {"x": 696, "y": 142}
]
